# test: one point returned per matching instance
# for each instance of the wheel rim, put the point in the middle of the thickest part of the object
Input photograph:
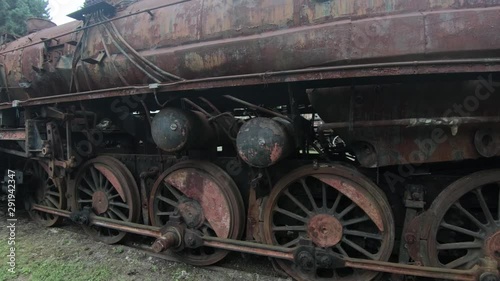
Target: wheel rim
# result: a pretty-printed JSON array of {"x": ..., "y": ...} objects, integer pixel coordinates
[
  {"x": 47, "y": 191},
  {"x": 203, "y": 187},
  {"x": 107, "y": 187},
  {"x": 466, "y": 222},
  {"x": 336, "y": 208}
]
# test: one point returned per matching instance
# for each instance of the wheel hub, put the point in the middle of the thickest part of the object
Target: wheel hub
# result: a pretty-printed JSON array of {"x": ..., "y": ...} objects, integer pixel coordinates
[
  {"x": 100, "y": 202},
  {"x": 325, "y": 230},
  {"x": 493, "y": 246},
  {"x": 192, "y": 213}
]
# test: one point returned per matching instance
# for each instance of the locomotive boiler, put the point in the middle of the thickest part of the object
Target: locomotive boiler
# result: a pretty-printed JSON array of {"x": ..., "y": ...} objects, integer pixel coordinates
[{"x": 344, "y": 139}]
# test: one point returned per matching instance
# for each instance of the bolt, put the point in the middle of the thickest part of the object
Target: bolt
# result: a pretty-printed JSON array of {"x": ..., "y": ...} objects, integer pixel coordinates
[
  {"x": 169, "y": 240},
  {"x": 415, "y": 196},
  {"x": 158, "y": 246},
  {"x": 326, "y": 262},
  {"x": 410, "y": 239},
  {"x": 190, "y": 241},
  {"x": 262, "y": 142},
  {"x": 306, "y": 261},
  {"x": 488, "y": 276},
  {"x": 173, "y": 127}
]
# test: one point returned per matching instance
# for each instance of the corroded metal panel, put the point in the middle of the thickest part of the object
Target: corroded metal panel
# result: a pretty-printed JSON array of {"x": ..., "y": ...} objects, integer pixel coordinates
[{"x": 213, "y": 38}]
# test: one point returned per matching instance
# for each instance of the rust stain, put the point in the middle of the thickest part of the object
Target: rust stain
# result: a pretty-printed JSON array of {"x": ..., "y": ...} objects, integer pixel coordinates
[
  {"x": 12, "y": 135},
  {"x": 110, "y": 176},
  {"x": 211, "y": 38},
  {"x": 205, "y": 191},
  {"x": 348, "y": 189}
]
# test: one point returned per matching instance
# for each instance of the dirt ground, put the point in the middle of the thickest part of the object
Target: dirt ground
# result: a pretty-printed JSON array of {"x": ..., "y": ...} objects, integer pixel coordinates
[{"x": 66, "y": 253}]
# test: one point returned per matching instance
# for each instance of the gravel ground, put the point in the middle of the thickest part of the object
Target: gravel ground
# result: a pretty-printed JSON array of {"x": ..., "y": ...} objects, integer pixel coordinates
[{"x": 66, "y": 253}]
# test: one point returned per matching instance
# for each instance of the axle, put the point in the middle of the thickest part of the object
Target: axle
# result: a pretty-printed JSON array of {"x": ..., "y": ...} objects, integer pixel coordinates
[{"x": 306, "y": 255}]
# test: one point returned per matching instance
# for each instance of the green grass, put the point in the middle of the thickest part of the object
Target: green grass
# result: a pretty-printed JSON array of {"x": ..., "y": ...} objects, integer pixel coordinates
[{"x": 39, "y": 267}]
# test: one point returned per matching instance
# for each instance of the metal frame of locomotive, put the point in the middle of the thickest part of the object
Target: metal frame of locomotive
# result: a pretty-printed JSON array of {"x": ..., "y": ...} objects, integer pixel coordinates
[{"x": 190, "y": 140}]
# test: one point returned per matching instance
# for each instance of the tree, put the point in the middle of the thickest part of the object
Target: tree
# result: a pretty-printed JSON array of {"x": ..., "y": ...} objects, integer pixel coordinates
[{"x": 14, "y": 13}]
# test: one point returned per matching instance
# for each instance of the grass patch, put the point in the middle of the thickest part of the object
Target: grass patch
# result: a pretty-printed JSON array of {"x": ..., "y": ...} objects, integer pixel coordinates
[{"x": 32, "y": 266}]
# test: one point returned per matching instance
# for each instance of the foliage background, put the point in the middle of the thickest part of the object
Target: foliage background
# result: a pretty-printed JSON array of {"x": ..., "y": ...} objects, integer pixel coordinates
[{"x": 14, "y": 13}]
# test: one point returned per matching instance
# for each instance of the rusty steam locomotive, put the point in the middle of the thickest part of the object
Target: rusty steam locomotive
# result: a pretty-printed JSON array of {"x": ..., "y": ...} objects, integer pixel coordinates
[{"x": 342, "y": 138}]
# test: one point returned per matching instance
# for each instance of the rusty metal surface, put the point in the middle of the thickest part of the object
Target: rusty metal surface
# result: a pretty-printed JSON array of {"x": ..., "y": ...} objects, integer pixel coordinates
[
  {"x": 306, "y": 192},
  {"x": 352, "y": 191},
  {"x": 167, "y": 241},
  {"x": 204, "y": 190},
  {"x": 405, "y": 269},
  {"x": 214, "y": 192},
  {"x": 129, "y": 227},
  {"x": 261, "y": 142},
  {"x": 191, "y": 42},
  {"x": 250, "y": 248},
  {"x": 413, "y": 122},
  {"x": 463, "y": 230},
  {"x": 310, "y": 74},
  {"x": 100, "y": 202},
  {"x": 106, "y": 187},
  {"x": 46, "y": 190},
  {"x": 176, "y": 130},
  {"x": 420, "y": 133},
  {"x": 284, "y": 253},
  {"x": 325, "y": 230},
  {"x": 12, "y": 134},
  {"x": 492, "y": 246}
]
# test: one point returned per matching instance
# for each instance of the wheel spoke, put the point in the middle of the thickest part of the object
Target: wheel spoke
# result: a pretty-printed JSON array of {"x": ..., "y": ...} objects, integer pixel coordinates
[
  {"x": 48, "y": 203},
  {"x": 309, "y": 195},
  {"x": 53, "y": 193},
  {"x": 462, "y": 230},
  {"x": 355, "y": 221},
  {"x": 459, "y": 245},
  {"x": 95, "y": 177},
  {"x": 292, "y": 243},
  {"x": 358, "y": 248},
  {"x": 84, "y": 201},
  {"x": 335, "y": 204},
  {"x": 363, "y": 234},
  {"x": 341, "y": 250},
  {"x": 114, "y": 196},
  {"x": 101, "y": 185},
  {"x": 107, "y": 186},
  {"x": 111, "y": 215},
  {"x": 91, "y": 186},
  {"x": 470, "y": 216},
  {"x": 177, "y": 195},
  {"x": 167, "y": 200},
  {"x": 484, "y": 207},
  {"x": 290, "y": 228},
  {"x": 51, "y": 200},
  {"x": 291, "y": 215},
  {"x": 461, "y": 261},
  {"x": 346, "y": 210},
  {"x": 323, "y": 195},
  {"x": 119, "y": 204},
  {"x": 119, "y": 214},
  {"x": 208, "y": 225},
  {"x": 297, "y": 202},
  {"x": 88, "y": 192}
]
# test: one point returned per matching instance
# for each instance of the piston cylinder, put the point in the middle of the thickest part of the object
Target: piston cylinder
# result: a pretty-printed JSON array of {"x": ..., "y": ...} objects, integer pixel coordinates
[
  {"x": 176, "y": 130},
  {"x": 262, "y": 142}
]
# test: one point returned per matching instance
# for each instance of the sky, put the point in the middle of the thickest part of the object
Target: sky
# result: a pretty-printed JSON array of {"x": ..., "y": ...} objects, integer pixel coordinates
[{"x": 60, "y": 8}]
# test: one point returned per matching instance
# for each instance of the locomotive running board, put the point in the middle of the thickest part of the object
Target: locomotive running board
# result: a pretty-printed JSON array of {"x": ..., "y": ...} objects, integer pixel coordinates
[{"x": 168, "y": 237}]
